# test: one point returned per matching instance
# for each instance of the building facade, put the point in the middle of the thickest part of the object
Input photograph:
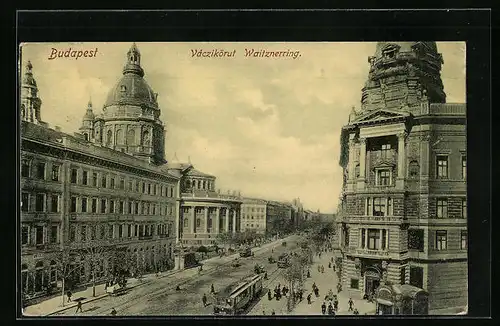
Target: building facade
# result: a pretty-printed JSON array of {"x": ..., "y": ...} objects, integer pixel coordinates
[
  {"x": 203, "y": 211},
  {"x": 279, "y": 218},
  {"x": 97, "y": 191},
  {"x": 254, "y": 215},
  {"x": 404, "y": 202}
]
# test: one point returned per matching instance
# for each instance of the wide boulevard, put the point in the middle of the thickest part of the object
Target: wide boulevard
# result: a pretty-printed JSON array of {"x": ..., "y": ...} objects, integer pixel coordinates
[{"x": 160, "y": 297}]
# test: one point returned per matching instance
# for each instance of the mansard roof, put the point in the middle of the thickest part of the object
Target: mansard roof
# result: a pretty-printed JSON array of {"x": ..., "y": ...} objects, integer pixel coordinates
[{"x": 64, "y": 141}]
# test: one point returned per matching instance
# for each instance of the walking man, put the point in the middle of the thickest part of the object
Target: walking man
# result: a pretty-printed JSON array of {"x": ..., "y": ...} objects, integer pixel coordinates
[
  {"x": 351, "y": 303},
  {"x": 79, "y": 307},
  {"x": 309, "y": 298},
  {"x": 323, "y": 308},
  {"x": 330, "y": 309},
  {"x": 355, "y": 312},
  {"x": 269, "y": 296},
  {"x": 204, "y": 300},
  {"x": 69, "y": 295},
  {"x": 113, "y": 312},
  {"x": 336, "y": 304},
  {"x": 212, "y": 289}
]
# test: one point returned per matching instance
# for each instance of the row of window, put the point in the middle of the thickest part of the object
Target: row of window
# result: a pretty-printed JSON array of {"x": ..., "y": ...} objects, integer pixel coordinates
[
  {"x": 114, "y": 206},
  {"x": 379, "y": 206},
  {"x": 95, "y": 179},
  {"x": 41, "y": 204},
  {"x": 41, "y": 234},
  {"x": 416, "y": 239},
  {"x": 256, "y": 225},
  {"x": 185, "y": 223},
  {"x": 442, "y": 167},
  {"x": 201, "y": 210},
  {"x": 199, "y": 184},
  {"x": 117, "y": 231},
  {"x": 442, "y": 208},
  {"x": 251, "y": 217},
  {"x": 253, "y": 209}
]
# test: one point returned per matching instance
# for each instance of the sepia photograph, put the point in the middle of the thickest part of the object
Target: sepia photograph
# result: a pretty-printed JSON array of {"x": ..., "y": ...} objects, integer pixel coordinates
[{"x": 242, "y": 178}]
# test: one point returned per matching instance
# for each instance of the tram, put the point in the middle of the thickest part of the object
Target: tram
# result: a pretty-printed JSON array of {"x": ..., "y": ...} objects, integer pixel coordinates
[{"x": 244, "y": 293}]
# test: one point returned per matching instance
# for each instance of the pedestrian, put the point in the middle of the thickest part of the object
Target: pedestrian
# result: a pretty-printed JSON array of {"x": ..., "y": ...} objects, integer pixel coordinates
[
  {"x": 79, "y": 307},
  {"x": 314, "y": 285},
  {"x": 69, "y": 295},
  {"x": 351, "y": 303},
  {"x": 329, "y": 265},
  {"x": 178, "y": 288},
  {"x": 331, "y": 259},
  {"x": 113, "y": 312},
  {"x": 309, "y": 298},
  {"x": 319, "y": 268},
  {"x": 212, "y": 289},
  {"x": 106, "y": 285},
  {"x": 330, "y": 309},
  {"x": 308, "y": 273},
  {"x": 204, "y": 300},
  {"x": 334, "y": 268},
  {"x": 322, "y": 269},
  {"x": 323, "y": 308},
  {"x": 269, "y": 297},
  {"x": 355, "y": 312},
  {"x": 273, "y": 313},
  {"x": 263, "y": 312}
]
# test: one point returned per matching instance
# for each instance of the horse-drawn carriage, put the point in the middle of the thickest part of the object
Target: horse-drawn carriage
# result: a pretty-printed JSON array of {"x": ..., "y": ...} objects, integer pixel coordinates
[
  {"x": 271, "y": 260},
  {"x": 116, "y": 289}
]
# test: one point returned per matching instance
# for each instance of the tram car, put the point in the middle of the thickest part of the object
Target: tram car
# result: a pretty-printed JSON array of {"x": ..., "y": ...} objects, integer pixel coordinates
[
  {"x": 284, "y": 261},
  {"x": 239, "y": 299}
]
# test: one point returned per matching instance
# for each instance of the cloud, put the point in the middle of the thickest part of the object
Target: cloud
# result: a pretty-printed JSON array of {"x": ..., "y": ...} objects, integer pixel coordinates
[{"x": 267, "y": 127}]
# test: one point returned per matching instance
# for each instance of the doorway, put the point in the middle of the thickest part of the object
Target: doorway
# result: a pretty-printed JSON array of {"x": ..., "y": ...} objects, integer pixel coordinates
[{"x": 371, "y": 284}]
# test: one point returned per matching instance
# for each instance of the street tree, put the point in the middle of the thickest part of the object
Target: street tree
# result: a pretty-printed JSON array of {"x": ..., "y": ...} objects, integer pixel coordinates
[
  {"x": 68, "y": 260},
  {"x": 225, "y": 238},
  {"x": 294, "y": 276},
  {"x": 94, "y": 253}
]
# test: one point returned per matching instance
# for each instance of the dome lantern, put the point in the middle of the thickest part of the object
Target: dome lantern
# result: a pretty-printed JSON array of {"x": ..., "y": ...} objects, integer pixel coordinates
[{"x": 133, "y": 64}]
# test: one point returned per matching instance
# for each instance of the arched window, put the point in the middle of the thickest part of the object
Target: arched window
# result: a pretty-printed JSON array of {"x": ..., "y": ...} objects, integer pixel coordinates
[
  {"x": 123, "y": 88},
  {"x": 131, "y": 137},
  {"x": 119, "y": 137},
  {"x": 86, "y": 136},
  {"x": 413, "y": 169},
  {"x": 356, "y": 171},
  {"x": 146, "y": 141},
  {"x": 109, "y": 136}
]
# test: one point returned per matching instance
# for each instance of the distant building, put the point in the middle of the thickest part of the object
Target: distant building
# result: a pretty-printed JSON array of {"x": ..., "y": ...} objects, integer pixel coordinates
[
  {"x": 404, "y": 200},
  {"x": 108, "y": 186},
  {"x": 204, "y": 212},
  {"x": 278, "y": 217},
  {"x": 254, "y": 215}
]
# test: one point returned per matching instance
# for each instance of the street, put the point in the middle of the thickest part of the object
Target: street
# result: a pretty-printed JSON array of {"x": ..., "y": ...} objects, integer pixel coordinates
[{"x": 159, "y": 297}]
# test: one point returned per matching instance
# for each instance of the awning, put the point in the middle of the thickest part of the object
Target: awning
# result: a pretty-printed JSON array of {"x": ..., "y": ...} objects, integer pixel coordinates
[{"x": 385, "y": 302}]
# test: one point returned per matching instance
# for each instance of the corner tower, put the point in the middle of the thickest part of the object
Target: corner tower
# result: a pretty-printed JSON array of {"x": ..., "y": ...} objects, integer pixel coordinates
[
  {"x": 87, "y": 128},
  {"x": 131, "y": 115},
  {"x": 30, "y": 102},
  {"x": 403, "y": 74}
]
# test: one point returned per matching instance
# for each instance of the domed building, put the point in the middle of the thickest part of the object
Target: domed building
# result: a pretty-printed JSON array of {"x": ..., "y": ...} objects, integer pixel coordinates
[
  {"x": 404, "y": 202},
  {"x": 107, "y": 187},
  {"x": 130, "y": 122}
]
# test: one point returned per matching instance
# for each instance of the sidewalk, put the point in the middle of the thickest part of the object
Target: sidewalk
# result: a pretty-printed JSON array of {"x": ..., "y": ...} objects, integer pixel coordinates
[
  {"x": 53, "y": 305},
  {"x": 326, "y": 281}
]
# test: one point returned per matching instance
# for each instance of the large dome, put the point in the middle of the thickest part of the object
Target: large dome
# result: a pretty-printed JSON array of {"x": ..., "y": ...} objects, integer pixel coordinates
[
  {"x": 132, "y": 89},
  {"x": 406, "y": 47}
]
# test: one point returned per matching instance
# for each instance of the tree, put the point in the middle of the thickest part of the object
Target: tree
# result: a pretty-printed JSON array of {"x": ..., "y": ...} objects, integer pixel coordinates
[
  {"x": 294, "y": 276},
  {"x": 67, "y": 262},
  {"x": 225, "y": 238},
  {"x": 203, "y": 250},
  {"x": 94, "y": 253}
]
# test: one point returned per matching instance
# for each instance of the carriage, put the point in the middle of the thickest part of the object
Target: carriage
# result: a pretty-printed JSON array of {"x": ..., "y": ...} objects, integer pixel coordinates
[
  {"x": 284, "y": 261},
  {"x": 246, "y": 252},
  {"x": 239, "y": 299},
  {"x": 116, "y": 289}
]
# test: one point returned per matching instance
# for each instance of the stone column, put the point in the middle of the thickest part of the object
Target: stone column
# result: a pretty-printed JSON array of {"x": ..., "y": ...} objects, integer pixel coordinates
[
  {"x": 366, "y": 238},
  {"x": 226, "y": 222},
  {"x": 206, "y": 219},
  {"x": 193, "y": 219},
  {"x": 351, "y": 164},
  {"x": 234, "y": 221},
  {"x": 362, "y": 158},
  {"x": 216, "y": 227},
  {"x": 401, "y": 160}
]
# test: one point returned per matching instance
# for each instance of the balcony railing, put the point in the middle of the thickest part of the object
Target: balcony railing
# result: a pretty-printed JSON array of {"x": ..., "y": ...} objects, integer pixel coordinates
[
  {"x": 362, "y": 218},
  {"x": 371, "y": 252}
]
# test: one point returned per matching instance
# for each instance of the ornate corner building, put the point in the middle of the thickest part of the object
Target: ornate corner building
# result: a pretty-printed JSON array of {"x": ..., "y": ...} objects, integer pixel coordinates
[
  {"x": 403, "y": 205},
  {"x": 108, "y": 186}
]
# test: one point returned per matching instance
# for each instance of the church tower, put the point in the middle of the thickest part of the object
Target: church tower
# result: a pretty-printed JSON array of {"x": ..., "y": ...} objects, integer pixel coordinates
[
  {"x": 131, "y": 116},
  {"x": 30, "y": 102},
  {"x": 87, "y": 128}
]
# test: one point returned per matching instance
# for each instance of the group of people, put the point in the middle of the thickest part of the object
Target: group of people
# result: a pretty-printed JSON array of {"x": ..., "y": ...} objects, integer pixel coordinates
[{"x": 278, "y": 292}]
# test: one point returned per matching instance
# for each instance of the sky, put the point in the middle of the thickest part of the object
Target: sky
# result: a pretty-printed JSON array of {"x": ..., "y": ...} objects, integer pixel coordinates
[{"x": 268, "y": 127}]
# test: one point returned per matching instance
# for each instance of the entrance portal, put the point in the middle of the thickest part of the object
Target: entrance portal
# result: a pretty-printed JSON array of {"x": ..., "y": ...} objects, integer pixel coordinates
[{"x": 372, "y": 281}]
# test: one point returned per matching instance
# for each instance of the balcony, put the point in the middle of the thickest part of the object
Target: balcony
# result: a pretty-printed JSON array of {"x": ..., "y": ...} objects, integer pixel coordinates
[
  {"x": 372, "y": 252},
  {"x": 365, "y": 219}
]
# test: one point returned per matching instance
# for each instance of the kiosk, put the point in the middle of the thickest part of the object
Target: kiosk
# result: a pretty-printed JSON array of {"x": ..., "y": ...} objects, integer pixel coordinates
[{"x": 405, "y": 299}]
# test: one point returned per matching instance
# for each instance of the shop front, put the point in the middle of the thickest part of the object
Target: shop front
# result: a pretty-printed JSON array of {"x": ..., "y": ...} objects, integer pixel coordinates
[{"x": 396, "y": 299}]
